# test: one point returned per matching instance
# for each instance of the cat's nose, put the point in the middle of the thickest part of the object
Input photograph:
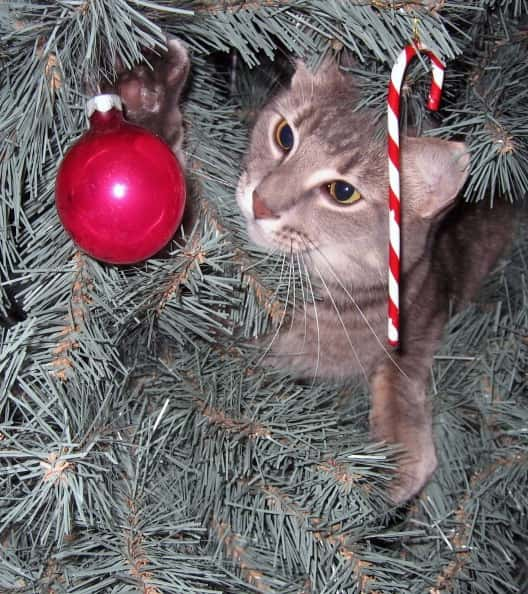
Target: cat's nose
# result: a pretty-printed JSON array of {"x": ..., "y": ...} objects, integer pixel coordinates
[{"x": 260, "y": 210}]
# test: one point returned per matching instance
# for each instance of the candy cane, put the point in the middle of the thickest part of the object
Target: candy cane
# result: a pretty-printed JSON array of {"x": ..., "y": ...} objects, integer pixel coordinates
[{"x": 393, "y": 112}]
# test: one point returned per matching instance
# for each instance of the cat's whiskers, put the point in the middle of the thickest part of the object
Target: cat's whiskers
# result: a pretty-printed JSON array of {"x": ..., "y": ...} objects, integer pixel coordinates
[
  {"x": 289, "y": 239},
  {"x": 302, "y": 273},
  {"x": 286, "y": 301},
  {"x": 314, "y": 301},
  {"x": 265, "y": 257},
  {"x": 298, "y": 246},
  {"x": 356, "y": 305},
  {"x": 341, "y": 321},
  {"x": 294, "y": 292}
]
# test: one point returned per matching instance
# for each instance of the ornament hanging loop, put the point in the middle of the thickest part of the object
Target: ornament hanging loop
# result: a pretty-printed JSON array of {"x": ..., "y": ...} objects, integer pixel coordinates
[{"x": 393, "y": 115}]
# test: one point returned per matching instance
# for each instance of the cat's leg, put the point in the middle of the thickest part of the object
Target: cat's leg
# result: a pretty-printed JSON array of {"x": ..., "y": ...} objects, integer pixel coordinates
[
  {"x": 151, "y": 93},
  {"x": 401, "y": 414}
]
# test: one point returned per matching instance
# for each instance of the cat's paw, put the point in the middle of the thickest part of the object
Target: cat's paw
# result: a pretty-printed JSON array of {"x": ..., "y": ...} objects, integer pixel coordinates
[
  {"x": 150, "y": 93},
  {"x": 400, "y": 414},
  {"x": 412, "y": 437},
  {"x": 413, "y": 474},
  {"x": 149, "y": 88}
]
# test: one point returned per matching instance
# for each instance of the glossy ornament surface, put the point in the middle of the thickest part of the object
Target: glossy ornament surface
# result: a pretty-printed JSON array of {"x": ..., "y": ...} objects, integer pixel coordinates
[{"x": 120, "y": 191}]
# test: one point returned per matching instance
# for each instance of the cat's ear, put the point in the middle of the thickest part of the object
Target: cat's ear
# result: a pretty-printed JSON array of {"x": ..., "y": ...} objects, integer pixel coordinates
[
  {"x": 346, "y": 59},
  {"x": 434, "y": 171},
  {"x": 326, "y": 72}
]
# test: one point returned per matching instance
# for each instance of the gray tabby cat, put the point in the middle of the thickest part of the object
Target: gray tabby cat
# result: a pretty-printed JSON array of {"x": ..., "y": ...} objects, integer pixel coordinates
[{"x": 315, "y": 185}]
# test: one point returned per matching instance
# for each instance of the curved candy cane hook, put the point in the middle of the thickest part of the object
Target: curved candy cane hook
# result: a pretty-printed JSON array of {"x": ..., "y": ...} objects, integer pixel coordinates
[{"x": 393, "y": 113}]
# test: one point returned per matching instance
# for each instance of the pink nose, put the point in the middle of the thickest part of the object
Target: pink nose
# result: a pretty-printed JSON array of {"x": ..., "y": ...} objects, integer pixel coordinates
[{"x": 260, "y": 210}]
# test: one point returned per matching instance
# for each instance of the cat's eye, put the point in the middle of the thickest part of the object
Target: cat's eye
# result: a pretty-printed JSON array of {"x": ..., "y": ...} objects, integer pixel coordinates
[
  {"x": 284, "y": 135},
  {"x": 343, "y": 192}
]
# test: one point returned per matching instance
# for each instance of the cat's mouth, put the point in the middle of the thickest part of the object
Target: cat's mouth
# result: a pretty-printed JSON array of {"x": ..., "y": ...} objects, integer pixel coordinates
[
  {"x": 277, "y": 235},
  {"x": 274, "y": 236},
  {"x": 292, "y": 240},
  {"x": 270, "y": 232}
]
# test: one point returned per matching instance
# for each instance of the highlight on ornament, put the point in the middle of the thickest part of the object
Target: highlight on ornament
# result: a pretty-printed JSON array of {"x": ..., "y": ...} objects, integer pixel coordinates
[{"x": 120, "y": 191}]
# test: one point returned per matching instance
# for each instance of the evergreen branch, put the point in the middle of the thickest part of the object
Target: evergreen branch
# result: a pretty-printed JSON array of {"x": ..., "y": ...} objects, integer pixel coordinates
[
  {"x": 13, "y": 354},
  {"x": 194, "y": 256},
  {"x": 69, "y": 339},
  {"x": 234, "y": 546},
  {"x": 62, "y": 362},
  {"x": 102, "y": 472},
  {"x": 329, "y": 537},
  {"x": 303, "y": 525},
  {"x": 460, "y": 541},
  {"x": 490, "y": 115},
  {"x": 135, "y": 551},
  {"x": 309, "y": 29},
  {"x": 228, "y": 424},
  {"x": 213, "y": 6},
  {"x": 228, "y": 6},
  {"x": 265, "y": 296},
  {"x": 164, "y": 8}
]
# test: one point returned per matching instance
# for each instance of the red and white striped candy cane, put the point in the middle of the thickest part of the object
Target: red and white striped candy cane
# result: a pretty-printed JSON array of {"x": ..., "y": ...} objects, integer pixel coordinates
[{"x": 393, "y": 100}]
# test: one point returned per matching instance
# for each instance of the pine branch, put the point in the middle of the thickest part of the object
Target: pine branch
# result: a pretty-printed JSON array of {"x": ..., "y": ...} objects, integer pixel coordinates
[
  {"x": 62, "y": 361},
  {"x": 464, "y": 520},
  {"x": 136, "y": 553},
  {"x": 165, "y": 431}
]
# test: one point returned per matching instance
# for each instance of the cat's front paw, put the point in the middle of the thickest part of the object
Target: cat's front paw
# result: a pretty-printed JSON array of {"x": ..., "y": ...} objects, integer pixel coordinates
[
  {"x": 151, "y": 92},
  {"x": 400, "y": 414},
  {"x": 149, "y": 87},
  {"x": 416, "y": 455},
  {"x": 413, "y": 474}
]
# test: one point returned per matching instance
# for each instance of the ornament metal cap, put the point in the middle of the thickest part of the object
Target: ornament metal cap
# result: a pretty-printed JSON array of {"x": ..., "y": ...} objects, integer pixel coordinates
[{"x": 103, "y": 103}]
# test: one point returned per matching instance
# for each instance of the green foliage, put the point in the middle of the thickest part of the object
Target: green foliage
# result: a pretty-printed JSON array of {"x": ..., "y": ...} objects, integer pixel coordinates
[{"x": 142, "y": 447}]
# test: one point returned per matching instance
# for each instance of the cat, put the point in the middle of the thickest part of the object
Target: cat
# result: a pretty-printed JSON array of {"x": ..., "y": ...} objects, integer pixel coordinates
[{"x": 314, "y": 184}]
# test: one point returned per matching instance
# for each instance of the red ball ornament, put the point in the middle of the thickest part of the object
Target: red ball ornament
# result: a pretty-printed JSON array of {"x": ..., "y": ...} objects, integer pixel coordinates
[{"x": 120, "y": 191}]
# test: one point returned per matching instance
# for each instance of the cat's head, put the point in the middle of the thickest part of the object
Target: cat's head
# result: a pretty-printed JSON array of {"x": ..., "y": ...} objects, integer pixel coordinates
[{"x": 315, "y": 179}]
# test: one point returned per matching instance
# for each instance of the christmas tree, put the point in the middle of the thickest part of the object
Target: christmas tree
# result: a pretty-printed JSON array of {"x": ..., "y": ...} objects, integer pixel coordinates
[{"x": 142, "y": 448}]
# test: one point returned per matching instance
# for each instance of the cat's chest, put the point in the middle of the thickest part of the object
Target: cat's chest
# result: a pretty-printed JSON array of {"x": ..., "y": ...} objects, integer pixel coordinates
[{"x": 331, "y": 339}]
